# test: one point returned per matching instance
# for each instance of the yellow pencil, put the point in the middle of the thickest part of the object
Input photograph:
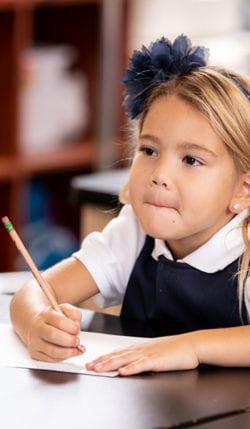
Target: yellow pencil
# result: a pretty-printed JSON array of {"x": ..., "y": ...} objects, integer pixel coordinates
[
  {"x": 36, "y": 273},
  {"x": 24, "y": 252}
]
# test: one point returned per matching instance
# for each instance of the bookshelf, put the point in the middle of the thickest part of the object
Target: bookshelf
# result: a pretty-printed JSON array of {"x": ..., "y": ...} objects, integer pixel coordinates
[{"x": 83, "y": 25}]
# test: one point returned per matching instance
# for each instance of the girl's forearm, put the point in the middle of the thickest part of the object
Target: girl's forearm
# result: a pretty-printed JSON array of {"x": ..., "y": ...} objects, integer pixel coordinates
[{"x": 223, "y": 347}]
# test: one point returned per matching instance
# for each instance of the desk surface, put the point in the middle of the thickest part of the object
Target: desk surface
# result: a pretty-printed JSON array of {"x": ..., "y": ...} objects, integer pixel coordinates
[
  {"x": 34, "y": 399},
  {"x": 101, "y": 187}
]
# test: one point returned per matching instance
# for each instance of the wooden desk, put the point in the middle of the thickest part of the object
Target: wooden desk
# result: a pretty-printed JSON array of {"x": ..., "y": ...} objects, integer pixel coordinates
[{"x": 35, "y": 399}]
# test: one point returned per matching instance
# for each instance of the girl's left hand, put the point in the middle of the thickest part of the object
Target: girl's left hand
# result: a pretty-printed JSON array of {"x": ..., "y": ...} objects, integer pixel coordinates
[{"x": 171, "y": 353}]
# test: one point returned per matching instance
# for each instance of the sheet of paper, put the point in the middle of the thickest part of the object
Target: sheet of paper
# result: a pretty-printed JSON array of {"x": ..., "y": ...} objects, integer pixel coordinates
[{"x": 13, "y": 352}]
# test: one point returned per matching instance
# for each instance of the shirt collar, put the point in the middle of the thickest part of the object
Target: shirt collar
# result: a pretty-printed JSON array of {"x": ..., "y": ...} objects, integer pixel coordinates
[{"x": 223, "y": 248}]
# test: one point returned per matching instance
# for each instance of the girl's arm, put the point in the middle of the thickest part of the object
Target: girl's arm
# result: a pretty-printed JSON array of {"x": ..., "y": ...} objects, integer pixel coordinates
[
  {"x": 48, "y": 334},
  {"x": 223, "y": 347}
]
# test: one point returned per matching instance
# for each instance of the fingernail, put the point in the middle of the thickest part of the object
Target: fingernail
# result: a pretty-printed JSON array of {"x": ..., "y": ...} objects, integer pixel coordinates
[
  {"x": 81, "y": 348},
  {"x": 98, "y": 365}
]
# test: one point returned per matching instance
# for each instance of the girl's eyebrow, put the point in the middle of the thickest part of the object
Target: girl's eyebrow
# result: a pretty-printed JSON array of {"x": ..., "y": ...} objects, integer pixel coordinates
[
  {"x": 149, "y": 137},
  {"x": 182, "y": 145},
  {"x": 197, "y": 147}
]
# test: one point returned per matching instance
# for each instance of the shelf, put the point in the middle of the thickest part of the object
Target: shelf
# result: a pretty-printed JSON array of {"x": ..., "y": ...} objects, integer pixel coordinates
[
  {"x": 83, "y": 25},
  {"x": 68, "y": 158}
]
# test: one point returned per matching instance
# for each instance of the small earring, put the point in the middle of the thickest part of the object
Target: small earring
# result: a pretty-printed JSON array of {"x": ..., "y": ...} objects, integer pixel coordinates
[{"x": 236, "y": 206}]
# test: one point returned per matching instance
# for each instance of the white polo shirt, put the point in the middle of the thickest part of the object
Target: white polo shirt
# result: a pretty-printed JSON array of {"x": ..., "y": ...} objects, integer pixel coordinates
[{"x": 110, "y": 255}]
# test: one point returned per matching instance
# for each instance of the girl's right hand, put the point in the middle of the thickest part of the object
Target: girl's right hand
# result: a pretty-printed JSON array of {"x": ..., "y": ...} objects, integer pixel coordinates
[{"x": 54, "y": 336}]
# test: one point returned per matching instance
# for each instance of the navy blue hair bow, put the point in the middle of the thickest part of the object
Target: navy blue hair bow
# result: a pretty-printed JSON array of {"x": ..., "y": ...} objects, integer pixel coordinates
[{"x": 160, "y": 62}]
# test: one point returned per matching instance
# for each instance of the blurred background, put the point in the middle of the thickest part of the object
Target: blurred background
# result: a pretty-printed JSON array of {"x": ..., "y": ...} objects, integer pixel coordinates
[{"x": 60, "y": 100}]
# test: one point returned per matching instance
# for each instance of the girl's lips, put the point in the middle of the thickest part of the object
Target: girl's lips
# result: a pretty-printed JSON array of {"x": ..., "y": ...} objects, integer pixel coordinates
[{"x": 159, "y": 204}]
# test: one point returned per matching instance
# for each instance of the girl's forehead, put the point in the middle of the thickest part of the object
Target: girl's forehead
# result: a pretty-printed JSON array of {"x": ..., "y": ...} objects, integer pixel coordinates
[
  {"x": 173, "y": 99},
  {"x": 172, "y": 110},
  {"x": 170, "y": 103}
]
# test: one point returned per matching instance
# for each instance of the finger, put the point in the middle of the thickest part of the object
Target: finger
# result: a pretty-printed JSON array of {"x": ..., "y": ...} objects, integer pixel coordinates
[
  {"x": 71, "y": 323},
  {"x": 143, "y": 364},
  {"x": 52, "y": 353},
  {"x": 72, "y": 312},
  {"x": 115, "y": 353},
  {"x": 62, "y": 322},
  {"x": 101, "y": 360},
  {"x": 59, "y": 337},
  {"x": 112, "y": 361}
]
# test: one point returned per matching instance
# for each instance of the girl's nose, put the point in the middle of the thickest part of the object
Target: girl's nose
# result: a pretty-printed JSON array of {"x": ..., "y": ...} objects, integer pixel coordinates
[
  {"x": 160, "y": 182},
  {"x": 159, "y": 178}
]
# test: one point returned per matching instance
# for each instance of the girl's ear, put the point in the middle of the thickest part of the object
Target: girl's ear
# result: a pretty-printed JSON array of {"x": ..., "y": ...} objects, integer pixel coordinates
[{"x": 241, "y": 199}]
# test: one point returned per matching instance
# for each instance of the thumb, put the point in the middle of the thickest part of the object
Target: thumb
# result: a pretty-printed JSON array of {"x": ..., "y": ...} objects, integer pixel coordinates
[{"x": 72, "y": 312}]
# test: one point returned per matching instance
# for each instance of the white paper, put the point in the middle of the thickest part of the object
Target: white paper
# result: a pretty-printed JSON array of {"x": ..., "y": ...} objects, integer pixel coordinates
[{"x": 13, "y": 352}]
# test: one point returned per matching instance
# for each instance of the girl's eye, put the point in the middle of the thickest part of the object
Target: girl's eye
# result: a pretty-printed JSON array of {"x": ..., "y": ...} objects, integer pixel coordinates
[
  {"x": 148, "y": 151},
  {"x": 190, "y": 160}
]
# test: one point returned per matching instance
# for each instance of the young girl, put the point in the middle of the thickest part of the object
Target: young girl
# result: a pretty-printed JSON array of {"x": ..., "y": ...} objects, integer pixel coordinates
[{"x": 177, "y": 256}]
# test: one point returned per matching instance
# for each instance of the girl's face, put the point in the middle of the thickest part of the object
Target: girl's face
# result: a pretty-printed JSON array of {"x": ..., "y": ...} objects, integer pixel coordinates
[{"x": 183, "y": 179}]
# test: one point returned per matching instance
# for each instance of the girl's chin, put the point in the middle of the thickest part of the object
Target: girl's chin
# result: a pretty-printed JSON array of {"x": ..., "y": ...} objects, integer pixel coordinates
[
  {"x": 160, "y": 233},
  {"x": 159, "y": 224}
]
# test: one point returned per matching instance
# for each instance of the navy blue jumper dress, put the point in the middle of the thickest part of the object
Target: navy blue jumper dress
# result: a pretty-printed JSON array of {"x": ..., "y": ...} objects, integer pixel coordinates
[{"x": 173, "y": 297}]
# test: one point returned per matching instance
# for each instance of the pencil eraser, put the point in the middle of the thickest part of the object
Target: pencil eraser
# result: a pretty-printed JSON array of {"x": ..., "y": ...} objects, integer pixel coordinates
[{"x": 7, "y": 223}]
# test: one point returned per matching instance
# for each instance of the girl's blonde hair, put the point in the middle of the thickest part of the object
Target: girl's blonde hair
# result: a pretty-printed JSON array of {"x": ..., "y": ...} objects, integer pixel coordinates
[{"x": 215, "y": 92}]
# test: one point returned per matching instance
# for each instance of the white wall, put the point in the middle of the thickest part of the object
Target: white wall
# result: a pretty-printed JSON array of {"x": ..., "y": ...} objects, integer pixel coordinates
[{"x": 218, "y": 24}]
